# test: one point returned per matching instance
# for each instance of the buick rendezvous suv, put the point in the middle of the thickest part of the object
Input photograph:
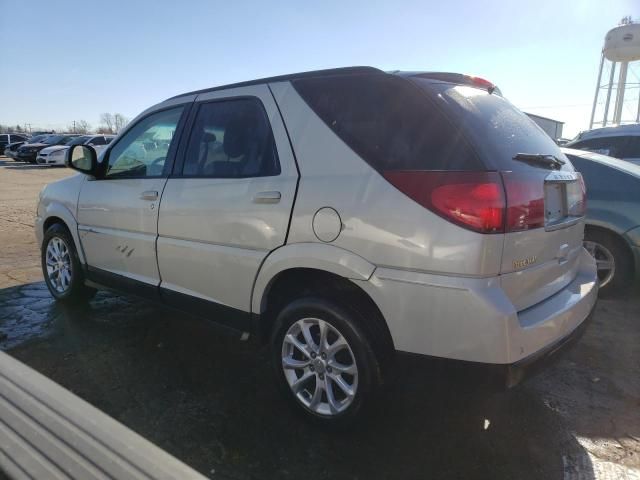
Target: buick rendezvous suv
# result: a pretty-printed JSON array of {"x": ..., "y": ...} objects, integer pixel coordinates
[{"x": 341, "y": 216}]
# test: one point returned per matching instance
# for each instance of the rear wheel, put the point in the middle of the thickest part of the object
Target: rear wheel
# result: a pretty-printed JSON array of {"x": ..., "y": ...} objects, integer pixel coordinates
[
  {"x": 613, "y": 261},
  {"x": 323, "y": 360},
  {"x": 61, "y": 267}
]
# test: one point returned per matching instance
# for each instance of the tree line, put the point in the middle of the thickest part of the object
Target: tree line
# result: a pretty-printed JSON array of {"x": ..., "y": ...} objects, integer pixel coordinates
[{"x": 109, "y": 123}]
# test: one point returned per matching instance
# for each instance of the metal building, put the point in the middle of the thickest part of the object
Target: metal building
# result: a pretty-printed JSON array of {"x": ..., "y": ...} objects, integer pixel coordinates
[{"x": 552, "y": 127}]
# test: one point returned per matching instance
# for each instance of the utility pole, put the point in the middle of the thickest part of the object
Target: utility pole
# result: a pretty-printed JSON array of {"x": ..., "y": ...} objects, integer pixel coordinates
[{"x": 74, "y": 126}]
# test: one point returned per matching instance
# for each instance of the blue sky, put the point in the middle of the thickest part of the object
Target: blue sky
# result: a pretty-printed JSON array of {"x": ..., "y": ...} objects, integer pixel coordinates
[{"x": 69, "y": 60}]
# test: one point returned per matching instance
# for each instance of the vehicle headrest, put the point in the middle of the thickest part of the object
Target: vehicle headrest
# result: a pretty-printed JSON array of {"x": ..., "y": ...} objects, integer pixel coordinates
[
  {"x": 208, "y": 137},
  {"x": 237, "y": 136}
]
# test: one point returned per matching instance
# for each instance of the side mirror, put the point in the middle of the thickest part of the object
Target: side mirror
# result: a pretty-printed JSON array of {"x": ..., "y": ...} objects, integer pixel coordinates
[{"x": 82, "y": 158}]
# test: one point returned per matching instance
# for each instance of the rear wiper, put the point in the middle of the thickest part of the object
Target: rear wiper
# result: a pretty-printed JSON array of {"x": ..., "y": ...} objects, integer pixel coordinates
[{"x": 549, "y": 160}]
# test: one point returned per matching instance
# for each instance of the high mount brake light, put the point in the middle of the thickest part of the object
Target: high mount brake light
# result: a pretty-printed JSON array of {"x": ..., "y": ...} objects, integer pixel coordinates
[{"x": 482, "y": 83}]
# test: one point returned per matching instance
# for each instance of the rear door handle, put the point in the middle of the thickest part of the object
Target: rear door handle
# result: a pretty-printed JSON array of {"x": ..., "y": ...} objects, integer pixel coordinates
[
  {"x": 267, "y": 197},
  {"x": 149, "y": 195}
]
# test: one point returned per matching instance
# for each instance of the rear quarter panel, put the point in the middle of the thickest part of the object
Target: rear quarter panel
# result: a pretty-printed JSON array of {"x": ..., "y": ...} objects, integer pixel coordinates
[{"x": 379, "y": 223}]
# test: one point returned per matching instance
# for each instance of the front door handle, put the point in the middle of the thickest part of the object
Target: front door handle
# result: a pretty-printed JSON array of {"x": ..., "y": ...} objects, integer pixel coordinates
[
  {"x": 149, "y": 195},
  {"x": 267, "y": 197}
]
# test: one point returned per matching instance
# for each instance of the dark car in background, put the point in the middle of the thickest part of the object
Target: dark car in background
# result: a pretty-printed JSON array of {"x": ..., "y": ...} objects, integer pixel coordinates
[
  {"x": 619, "y": 141},
  {"x": 8, "y": 138},
  {"x": 612, "y": 230},
  {"x": 29, "y": 151},
  {"x": 11, "y": 150}
]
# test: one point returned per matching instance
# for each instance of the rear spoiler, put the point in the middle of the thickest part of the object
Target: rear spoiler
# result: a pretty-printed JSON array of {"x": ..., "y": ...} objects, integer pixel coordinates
[{"x": 48, "y": 432}]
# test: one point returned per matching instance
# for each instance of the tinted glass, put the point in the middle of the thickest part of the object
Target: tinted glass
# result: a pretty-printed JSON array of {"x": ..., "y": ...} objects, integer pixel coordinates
[
  {"x": 231, "y": 139},
  {"x": 37, "y": 139},
  {"x": 108, "y": 139},
  {"x": 611, "y": 146},
  {"x": 97, "y": 141},
  {"x": 78, "y": 140},
  {"x": 4, "y": 138},
  {"x": 142, "y": 151},
  {"x": 56, "y": 139},
  {"x": 18, "y": 138},
  {"x": 497, "y": 130},
  {"x": 388, "y": 122}
]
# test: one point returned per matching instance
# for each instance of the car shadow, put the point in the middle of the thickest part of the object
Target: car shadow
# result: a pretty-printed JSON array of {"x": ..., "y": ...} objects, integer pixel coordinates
[
  {"x": 25, "y": 166},
  {"x": 209, "y": 399}
]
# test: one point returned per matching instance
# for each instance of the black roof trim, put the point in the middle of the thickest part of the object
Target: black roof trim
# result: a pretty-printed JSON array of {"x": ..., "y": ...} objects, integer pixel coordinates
[{"x": 284, "y": 78}]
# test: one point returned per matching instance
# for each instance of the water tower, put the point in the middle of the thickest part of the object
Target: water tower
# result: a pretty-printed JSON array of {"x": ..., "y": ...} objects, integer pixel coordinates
[{"x": 621, "y": 52}]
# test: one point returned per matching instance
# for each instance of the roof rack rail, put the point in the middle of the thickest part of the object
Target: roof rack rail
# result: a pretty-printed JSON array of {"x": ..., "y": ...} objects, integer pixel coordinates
[{"x": 291, "y": 76}]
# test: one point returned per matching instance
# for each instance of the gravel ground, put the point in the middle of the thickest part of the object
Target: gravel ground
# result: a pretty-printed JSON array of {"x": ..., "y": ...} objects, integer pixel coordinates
[{"x": 208, "y": 398}]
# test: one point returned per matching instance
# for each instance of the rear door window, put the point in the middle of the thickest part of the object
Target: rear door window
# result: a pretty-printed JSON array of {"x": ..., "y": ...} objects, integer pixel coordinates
[
  {"x": 388, "y": 122},
  {"x": 231, "y": 139}
]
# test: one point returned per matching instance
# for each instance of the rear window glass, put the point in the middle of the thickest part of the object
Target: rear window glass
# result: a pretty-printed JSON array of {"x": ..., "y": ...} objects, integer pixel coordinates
[
  {"x": 496, "y": 129},
  {"x": 615, "y": 146},
  {"x": 388, "y": 122}
]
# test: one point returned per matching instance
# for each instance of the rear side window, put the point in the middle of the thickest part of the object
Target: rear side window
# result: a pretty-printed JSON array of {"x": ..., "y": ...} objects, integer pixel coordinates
[
  {"x": 612, "y": 146},
  {"x": 97, "y": 141},
  {"x": 388, "y": 122},
  {"x": 4, "y": 138},
  {"x": 231, "y": 139}
]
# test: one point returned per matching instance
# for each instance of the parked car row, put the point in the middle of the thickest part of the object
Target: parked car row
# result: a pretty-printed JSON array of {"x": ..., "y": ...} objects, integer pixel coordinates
[
  {"x": 55, "y": 155},
  {"x": 49, "y": 149}
]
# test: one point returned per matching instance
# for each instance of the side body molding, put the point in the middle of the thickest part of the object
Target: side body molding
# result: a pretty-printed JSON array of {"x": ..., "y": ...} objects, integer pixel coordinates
[{"x": 318, "y": 256}]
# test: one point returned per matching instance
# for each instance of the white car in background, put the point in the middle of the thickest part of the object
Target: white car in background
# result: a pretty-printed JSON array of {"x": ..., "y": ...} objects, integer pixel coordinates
[{"x": 55, "y": 155}]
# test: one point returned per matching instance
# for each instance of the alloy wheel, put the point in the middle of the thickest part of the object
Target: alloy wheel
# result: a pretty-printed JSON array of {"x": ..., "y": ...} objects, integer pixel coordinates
[
  {"x": 605, "y": 261},
  {"x": 319, "y": 366},
  {"x": 58, "y": 262}
]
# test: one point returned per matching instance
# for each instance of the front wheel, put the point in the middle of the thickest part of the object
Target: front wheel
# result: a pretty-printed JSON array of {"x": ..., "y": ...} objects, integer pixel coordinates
[
  {"x": 61, "y": 267},
  {"x": 323, "y": 360}
]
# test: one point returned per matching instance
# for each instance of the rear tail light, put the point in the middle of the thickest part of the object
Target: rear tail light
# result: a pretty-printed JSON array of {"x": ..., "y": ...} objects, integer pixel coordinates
[
  {"x": 474, "y": 200},
  {"x": 525, "y": 201},
  {"x": 577, "y": 200},
  {"x": 485, "y": 202}
]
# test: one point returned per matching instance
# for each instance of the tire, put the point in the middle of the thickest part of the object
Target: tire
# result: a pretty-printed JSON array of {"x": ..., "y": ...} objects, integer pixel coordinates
[
  {"x": 59, "y": 250},
  {"x": 607, "y": 247},
  {"x": 320, "y": 397}
]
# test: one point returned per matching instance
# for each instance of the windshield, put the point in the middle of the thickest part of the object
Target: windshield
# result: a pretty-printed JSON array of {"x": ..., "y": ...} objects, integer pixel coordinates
[
  {"x": 78, "y": 140},
  {"x": 37, "y": 139},
  {"x": 53, "y": 139}
]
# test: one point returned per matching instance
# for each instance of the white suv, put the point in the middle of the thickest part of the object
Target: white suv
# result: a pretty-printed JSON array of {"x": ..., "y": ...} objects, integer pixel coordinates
[{"x": 340, "y": 215}]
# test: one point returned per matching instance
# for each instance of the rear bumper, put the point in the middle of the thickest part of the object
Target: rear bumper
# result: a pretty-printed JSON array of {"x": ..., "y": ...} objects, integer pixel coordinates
[
  {"x": 517, "y": 372},
  {"x": 473, "y": 320}
]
